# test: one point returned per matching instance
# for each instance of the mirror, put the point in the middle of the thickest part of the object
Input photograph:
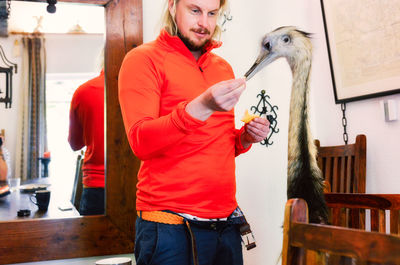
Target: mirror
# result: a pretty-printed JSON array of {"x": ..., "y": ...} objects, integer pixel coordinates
[
  {"x": 79, "y": 61},
  {"x": 112, "y": 233}
]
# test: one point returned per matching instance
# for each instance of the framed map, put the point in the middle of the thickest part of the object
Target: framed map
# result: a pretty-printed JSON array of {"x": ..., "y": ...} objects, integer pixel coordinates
[{"x": 363, "y": 39}]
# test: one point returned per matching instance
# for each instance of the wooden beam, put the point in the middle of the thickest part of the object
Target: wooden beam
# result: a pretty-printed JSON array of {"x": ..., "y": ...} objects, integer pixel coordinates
[
  {"x": 92, "y": 2},
  {"x": 124, "y": 31},
  {"x": 49, "y": 239}
]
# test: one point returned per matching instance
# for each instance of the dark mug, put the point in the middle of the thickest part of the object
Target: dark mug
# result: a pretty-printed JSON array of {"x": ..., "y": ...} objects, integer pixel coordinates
[{"x": 42, "y": 198}]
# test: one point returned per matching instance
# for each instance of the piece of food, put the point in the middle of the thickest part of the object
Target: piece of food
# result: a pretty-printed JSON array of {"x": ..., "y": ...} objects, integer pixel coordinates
[{"x": 248, "y": 117}]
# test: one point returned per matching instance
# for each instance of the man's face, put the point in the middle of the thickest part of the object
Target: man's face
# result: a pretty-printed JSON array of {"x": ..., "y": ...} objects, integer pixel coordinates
[{"x": 196, "y": 21}]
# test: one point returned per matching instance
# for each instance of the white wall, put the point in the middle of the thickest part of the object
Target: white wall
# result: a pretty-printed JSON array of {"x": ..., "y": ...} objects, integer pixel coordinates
[
  {"x": 8, "y": 117},
  {"x": 24, "y": 17},
  {"x": 74, "y": 53},
  {"x": 261, "y": 173}
]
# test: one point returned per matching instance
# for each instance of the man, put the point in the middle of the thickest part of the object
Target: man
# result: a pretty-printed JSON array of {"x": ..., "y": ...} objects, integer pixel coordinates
[
  {"x": 177, "y": 102},
  {"x": 86, "y": 128}
]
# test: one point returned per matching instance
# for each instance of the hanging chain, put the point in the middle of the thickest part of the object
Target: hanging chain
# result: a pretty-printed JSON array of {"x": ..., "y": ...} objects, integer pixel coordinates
[
  {"x": 344, "y": 123},
  {"x": 8, "y": 7}
]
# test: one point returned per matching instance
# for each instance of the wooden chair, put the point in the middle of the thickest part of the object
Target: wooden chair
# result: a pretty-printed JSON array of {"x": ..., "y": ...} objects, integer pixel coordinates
[
  {"x": 378, "y": 204},
  {"x": 305, "y": 243},
  {"x": 344, "y": 166},
  {"x": 78, "y": 186}
]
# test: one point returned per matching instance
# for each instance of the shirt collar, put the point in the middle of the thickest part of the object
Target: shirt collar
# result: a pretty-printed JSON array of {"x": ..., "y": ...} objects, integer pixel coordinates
[{"x": 176, "y": 43}]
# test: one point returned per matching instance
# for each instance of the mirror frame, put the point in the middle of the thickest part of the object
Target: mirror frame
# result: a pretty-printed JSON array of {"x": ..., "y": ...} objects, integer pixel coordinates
[{"x": 113, "y": 233}]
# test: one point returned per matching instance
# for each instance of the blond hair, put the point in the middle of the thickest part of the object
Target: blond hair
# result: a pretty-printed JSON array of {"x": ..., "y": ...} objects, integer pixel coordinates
[{"x": 169, "y": 24}]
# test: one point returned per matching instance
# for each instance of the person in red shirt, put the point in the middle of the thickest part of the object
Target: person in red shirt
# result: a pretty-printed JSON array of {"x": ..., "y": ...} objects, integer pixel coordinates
[
  {"x": 86, "y": 128},
  {"x": 177, "y": 101}
]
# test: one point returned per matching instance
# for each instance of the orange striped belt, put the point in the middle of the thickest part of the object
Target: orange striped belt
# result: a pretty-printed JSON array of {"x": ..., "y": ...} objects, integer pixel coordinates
[{"x": 161, "y": 217}]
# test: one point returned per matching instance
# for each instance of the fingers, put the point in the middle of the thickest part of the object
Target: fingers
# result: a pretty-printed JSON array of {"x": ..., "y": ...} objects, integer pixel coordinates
[
  {"x": 258, "y": 129},
  {"x": 230, "y": 99},
  {"x": 230, "y": 86},
  {"x": 260, "y": 121},
  {"x": 223, "y": 96},
  {"x": 236, "y": 92},
  {"x": 232, "y": 83}
]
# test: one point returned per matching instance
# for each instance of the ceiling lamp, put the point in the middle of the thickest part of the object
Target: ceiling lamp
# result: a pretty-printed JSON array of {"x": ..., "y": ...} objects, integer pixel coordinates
[{"x": 51, "y": 8}]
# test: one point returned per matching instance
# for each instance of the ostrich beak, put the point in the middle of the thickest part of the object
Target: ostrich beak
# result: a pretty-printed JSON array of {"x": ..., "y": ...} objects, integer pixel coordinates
[{"x": 266, "y": 57}]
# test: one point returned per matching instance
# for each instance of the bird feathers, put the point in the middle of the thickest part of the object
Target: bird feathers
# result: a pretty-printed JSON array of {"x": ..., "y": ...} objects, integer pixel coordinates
[{"x": 304, "y": 177}]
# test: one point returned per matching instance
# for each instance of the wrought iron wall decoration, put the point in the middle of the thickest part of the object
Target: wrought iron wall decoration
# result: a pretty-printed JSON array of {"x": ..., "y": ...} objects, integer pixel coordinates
[
  {"x": 264, "y": 108},
  {"x": 226, "y": 17},
  {"x": 8, "y": 72}
]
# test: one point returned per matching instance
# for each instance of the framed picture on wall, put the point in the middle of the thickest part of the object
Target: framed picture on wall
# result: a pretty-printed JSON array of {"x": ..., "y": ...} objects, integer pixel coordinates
[{"x": 363, "y": 39}]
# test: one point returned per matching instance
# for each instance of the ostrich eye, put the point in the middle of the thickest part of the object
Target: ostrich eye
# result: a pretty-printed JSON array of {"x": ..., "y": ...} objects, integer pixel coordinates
[
  {"x": 286, "y": 39},
  {"x": 267, "y": 46}
]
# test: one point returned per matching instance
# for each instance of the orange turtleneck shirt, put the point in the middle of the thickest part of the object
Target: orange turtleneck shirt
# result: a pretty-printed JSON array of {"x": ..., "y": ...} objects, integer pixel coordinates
[
  {"x": 86, "y": 128},
  {"x": 188, "y": 166}
]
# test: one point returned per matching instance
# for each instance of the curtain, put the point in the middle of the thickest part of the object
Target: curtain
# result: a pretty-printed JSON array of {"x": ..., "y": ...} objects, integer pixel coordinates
[{"x": 32, "y": 126}]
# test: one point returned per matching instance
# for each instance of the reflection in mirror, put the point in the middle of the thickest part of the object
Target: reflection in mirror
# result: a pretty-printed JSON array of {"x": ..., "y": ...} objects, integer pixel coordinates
[{"x": 38, "y": 137}]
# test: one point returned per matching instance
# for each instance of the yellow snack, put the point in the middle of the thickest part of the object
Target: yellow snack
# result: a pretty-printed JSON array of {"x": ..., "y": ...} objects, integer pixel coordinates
[{"x": 248, "y": 117}]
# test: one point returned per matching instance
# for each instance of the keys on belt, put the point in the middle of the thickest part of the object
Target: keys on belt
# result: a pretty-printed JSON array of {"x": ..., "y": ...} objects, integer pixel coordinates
[{"x": 247, "y": 236}]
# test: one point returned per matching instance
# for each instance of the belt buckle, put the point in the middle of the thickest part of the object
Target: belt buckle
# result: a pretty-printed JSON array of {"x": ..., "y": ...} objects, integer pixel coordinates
[{"x": 247, "y": 236}]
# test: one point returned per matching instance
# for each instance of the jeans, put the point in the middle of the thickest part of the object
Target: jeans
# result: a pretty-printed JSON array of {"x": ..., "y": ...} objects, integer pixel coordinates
[
  {"x": 92, "y": 201},
  {"x": 162, "y": 244}
]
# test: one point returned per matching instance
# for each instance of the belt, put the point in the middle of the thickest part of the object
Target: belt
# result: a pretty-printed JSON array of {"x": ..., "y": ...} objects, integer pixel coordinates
[
  {"x": 171, "y": 219},
  {"x": 161, "y": 217}
]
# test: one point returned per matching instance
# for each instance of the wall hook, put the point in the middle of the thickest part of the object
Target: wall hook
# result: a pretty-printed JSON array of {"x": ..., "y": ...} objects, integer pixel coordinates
[{"x": 264, "y": 108}]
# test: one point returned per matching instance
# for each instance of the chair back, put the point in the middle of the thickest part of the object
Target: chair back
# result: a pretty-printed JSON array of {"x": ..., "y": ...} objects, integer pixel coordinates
[
  {"x": 305, "y": 243},
  {"x": 344, "y": 166},
  {"x": 348, "y": 210},
  {"x": 78, "y": 186}
]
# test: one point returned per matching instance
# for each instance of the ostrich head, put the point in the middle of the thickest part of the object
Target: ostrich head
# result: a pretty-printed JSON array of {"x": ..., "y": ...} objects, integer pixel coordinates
[{"x": 288, "y": 42}]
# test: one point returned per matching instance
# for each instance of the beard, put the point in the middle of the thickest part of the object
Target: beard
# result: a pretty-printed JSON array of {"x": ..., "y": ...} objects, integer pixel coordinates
[{"x": 191, "y": 45}]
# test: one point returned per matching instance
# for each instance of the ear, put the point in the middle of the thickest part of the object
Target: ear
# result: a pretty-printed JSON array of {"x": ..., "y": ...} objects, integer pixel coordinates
[{"x": 172, "y": 7}]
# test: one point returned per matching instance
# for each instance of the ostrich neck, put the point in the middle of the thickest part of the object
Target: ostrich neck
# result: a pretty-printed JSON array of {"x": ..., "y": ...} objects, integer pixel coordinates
[{"x": 299, "y": 132}]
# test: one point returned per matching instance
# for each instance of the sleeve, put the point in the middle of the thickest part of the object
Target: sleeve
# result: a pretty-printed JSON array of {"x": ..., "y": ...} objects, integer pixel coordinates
[
  {"x": 139, "y": 84},
  {"x": 75, "y": 133},
  {"x": 239, "y": 149}
]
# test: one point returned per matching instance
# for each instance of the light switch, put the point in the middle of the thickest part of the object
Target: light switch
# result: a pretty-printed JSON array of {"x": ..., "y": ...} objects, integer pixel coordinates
[{"x": 390, "y": 108}]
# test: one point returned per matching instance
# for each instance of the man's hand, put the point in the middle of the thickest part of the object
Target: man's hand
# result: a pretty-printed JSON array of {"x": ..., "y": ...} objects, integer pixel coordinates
[
  {"x": 222, "y": 96},
  {"x": 254, "y": 132}
]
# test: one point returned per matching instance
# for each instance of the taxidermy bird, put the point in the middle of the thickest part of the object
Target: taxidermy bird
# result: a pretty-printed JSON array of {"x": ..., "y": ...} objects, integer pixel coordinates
[{"x": 304, "y": 177}]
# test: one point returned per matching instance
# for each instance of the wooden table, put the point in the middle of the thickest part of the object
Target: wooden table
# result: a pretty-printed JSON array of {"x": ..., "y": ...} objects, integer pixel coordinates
[{"x": 18, "y": 200}]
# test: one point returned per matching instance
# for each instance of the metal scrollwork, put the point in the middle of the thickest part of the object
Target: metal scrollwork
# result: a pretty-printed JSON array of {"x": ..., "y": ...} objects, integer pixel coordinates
[
  {"x": 226, "y": 17},
  {"x": 264, "y": 108}
]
